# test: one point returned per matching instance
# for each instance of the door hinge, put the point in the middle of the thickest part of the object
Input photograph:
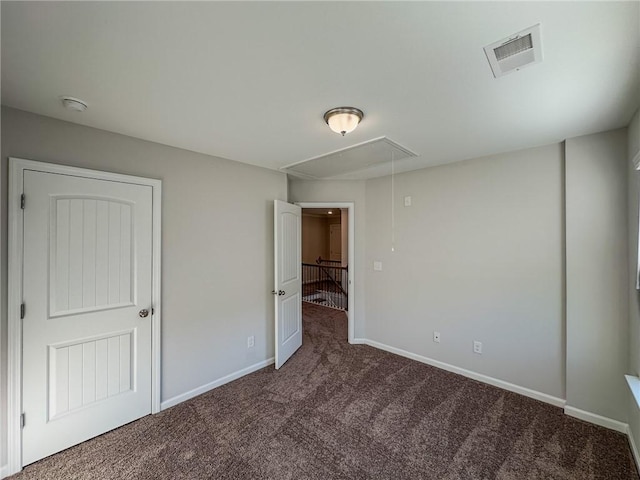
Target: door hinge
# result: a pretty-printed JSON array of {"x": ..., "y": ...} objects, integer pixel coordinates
[
  {"x": 22, "y": 310},
  {"x": 22, "y": 201},
  {"x": 22, "y": 420}
]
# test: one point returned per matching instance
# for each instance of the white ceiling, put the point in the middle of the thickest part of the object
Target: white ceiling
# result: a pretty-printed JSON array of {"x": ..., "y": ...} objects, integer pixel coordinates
[{"x": 251, "y": 81}]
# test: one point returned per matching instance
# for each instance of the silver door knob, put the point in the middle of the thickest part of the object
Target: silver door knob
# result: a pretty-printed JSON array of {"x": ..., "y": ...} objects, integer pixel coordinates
[{"x": 143, "y": 313}]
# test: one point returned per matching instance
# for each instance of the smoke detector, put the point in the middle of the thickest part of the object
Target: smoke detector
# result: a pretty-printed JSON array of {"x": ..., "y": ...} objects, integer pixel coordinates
[
  {"x": 74, "y": 104},
  {"x": 515, "y": 52}
]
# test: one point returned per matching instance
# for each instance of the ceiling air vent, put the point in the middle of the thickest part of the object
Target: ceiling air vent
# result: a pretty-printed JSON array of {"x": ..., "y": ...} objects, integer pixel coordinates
[{"x": 515, "y": 52}]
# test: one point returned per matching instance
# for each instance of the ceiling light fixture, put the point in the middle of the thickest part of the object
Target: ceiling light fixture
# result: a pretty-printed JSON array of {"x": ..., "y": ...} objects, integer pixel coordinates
[
  {"x": 74, "y": 104},
  {"x": 329, "y": 212},
  {"x": 343, "y": 120}
]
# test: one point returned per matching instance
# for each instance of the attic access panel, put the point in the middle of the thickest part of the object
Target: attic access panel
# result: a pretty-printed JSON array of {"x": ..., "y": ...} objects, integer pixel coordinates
[
  {"x": 515, "y": 52},
  {"x": 351, "y": 159}
]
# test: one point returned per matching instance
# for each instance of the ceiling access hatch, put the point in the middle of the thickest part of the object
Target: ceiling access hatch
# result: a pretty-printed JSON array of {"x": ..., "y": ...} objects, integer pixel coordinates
[
  {"x": 515, "y": 52},
  {"x": 357, "y": 158}
]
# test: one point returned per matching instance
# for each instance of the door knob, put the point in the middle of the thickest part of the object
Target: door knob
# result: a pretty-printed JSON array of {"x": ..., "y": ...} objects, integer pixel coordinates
[
  {"x": 281, "y": 292},
  {"x": 143, "y": 313}
]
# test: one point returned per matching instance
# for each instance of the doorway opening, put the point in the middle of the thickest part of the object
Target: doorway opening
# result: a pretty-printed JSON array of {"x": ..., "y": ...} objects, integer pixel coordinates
[
  {"x": 325, "y": 262},
  {"x": 328, "y": 257}
]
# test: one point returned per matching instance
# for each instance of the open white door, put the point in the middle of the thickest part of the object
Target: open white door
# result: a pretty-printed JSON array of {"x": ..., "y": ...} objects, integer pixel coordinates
[{"x": 288, "y": 280}]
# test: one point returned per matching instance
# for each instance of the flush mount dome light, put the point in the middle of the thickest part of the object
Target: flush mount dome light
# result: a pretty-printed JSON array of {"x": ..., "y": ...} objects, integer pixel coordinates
[
  {"x": 74, "y": 104},
  {"x": 343, "y": 120}
]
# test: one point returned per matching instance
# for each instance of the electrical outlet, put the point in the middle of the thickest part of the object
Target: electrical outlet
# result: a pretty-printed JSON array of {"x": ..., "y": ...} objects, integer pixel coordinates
[
  {"x": 477, "y": 347},
  {"x": 436, "y": 337},
  {"x": 251, "y": 341}
]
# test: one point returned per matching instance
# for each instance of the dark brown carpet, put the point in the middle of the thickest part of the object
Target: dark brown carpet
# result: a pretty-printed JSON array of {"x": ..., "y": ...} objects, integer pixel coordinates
[{"x": 336, "y": 411}]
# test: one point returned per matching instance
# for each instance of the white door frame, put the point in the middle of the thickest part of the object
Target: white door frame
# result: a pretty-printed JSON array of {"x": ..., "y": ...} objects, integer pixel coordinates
[
  {"x": 17, "y": 168},
  {"x": 350, "y": 206}
]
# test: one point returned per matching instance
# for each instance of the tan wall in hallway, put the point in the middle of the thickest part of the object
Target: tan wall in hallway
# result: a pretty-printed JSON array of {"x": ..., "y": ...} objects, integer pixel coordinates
[{"x": 315, "y": 238}]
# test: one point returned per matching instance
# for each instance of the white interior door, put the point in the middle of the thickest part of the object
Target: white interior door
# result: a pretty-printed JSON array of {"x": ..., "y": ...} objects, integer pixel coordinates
[
  {"x": 87, "y": 284},
  {"x": 288, "y": 280}
]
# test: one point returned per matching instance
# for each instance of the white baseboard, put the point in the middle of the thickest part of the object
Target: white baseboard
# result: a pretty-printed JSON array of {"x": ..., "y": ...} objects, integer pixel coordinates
[
  {"x": 596, "y": 419},
  {"x": 359, "y": 341},
  {"x": 527, "y": 392},
  {"x": 216, "y": 383},
  {"x": 4, "y": 471},
  {"x": 634, "y": 448}
]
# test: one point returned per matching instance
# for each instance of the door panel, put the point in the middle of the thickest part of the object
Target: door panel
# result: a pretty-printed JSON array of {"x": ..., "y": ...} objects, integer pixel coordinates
[
  {"x": 84, "y": 372},
  {"x": 91, "y": 255},
  {"x": 288, "y": 279},
  {"x": 87, "y": 274},
  {"x": 290, "y": 321}
]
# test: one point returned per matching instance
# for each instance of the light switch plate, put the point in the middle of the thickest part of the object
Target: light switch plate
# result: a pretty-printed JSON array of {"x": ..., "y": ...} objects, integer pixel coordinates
[
  {"x": 407, "y": 201},
  {"x": 377, "y": 266}
]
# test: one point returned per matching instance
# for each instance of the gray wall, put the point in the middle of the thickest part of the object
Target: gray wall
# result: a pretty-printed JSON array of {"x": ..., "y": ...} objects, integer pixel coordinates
[
  {"x": 341, "y": 191},
  {"x": 217, "y": 239},
  {"x": 634, "y": 295},
  {"x": 478, "y": 256},
  {"x": 597, "y": 273},
  {"x": 489, "y": 251}
]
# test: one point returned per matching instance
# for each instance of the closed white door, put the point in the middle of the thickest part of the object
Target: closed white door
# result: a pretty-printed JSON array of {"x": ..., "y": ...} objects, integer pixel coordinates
[
  {"x": 288, "y": 276},
  {"x": 87, "y": 324}
]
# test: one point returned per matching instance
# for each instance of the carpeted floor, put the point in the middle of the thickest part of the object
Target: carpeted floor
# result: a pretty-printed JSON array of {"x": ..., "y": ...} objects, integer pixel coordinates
[{"x": 337, "y": 411}]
